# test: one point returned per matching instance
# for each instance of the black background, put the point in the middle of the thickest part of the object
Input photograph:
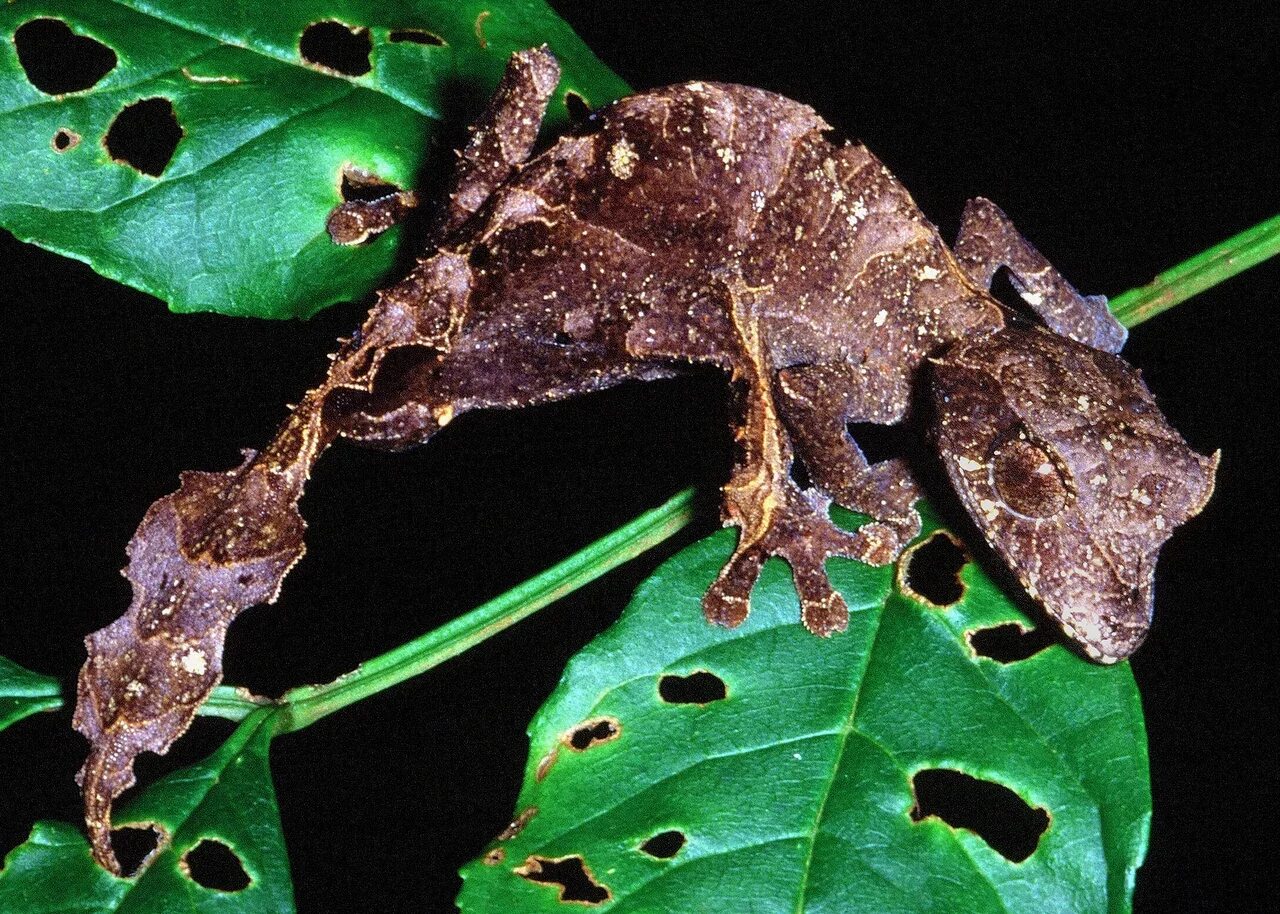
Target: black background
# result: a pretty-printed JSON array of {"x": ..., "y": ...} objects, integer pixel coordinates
[{"x": 1120, "y": 141}]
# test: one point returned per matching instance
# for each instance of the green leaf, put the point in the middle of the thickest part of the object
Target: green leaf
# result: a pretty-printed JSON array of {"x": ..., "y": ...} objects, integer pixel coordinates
[
  {"x": 227, "y": 799},
  {"x": 23, "y": 693},
  {"x": 235, "y": 221},
  {"x": 794, "y": 792}
]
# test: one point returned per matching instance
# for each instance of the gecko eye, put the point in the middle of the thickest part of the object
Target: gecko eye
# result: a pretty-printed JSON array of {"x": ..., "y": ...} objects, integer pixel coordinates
[{"x": 1030, "y": 476}]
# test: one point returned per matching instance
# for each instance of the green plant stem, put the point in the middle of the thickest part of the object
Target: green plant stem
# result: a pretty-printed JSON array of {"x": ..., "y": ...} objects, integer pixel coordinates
[
  {"x": 1203, "y": 271},
  {"x": 307, "y": 704}
]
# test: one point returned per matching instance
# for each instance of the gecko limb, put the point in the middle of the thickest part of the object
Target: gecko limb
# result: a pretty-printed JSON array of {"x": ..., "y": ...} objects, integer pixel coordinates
[
  {"x": 818, "y": 402},
  {"x": 988, "y": 241}
]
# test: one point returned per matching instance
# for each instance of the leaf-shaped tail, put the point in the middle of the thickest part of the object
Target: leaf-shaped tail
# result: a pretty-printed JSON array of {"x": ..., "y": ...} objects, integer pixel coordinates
[
  {"x": 202, "y": 555},
  {"x": 223, "y": 543}
]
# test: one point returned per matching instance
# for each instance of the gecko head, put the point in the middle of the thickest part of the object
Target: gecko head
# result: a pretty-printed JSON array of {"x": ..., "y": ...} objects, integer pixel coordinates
[{"x": 1074, "y": 476}]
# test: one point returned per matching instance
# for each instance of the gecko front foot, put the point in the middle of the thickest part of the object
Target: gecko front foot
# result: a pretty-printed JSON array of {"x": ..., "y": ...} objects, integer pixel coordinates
[{"x": 792, "y": 525}]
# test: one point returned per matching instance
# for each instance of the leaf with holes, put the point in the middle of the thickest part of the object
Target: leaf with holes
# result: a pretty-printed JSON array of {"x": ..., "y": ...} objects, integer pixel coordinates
[
  {"x": 195, "y": 150},
  {"x": 894, "y": 767},
  {"x": 220, "y": 844},
  {"x": 23, "y": 693}
]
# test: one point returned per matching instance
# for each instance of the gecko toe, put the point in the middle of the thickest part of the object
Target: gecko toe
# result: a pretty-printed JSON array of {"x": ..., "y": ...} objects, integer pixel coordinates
[
  {"x": 728, "y": 601},
  {"x": 878, "y": 543},
  {"x": 823, "y": 611}
]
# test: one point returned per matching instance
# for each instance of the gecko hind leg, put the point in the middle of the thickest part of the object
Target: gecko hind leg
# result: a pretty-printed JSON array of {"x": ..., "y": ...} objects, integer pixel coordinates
[
  {"x": 988, "y": 240},
  {"x": 503, "y": 136},
  {"x": 499, "y": 141}
]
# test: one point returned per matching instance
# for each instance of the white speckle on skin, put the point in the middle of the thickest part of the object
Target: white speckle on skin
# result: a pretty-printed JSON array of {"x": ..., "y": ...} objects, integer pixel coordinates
[
  {"x": 968, "y": 464},
  {"x": 927, "y": 273},
  {"x": 194, "y": 663},
  {"x": 727, "y": 155},
  {"x": 881, "y": 316},
  {"x": 757, "y": 200},
  {"x": 622, "y": 159},
  {"x": 1034, "y": 299},
  {"x": 1140, "y": 497}
]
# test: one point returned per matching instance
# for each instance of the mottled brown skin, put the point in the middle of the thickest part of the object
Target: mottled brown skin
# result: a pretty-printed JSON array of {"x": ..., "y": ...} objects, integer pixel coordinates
[
  {"x": 1059, "y": 452},
  {"x": 697, "y": 224}
]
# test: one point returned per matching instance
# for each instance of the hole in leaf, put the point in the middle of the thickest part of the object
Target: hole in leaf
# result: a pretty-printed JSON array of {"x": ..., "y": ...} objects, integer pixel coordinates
[
  {"x": 879, "y": 442},
  {"x": 57, "y": 60},
  {"x": 417, "y": 36},
  {"x": 370, "y": 206},
  {"x": 992, "y": 811},
  {"x": 577, "y": 107},
  {"x": 592, "y": 733},
  {"x": 144, "y": 135},
  {"x": 135, "y": 845},
  {"x": 931, "y": 570},
  {"x": 337, "y": 47},
  {"x": 570, "y": 873},
  {"x": 664, "y": 845},
  {"x": 1010, "y": 642},
  {"x": 359, "y": 184},
  {"x": 65, "y": 139},
  {"x": 698, "y": 688},
  {"x": 215, "y": 866}
]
